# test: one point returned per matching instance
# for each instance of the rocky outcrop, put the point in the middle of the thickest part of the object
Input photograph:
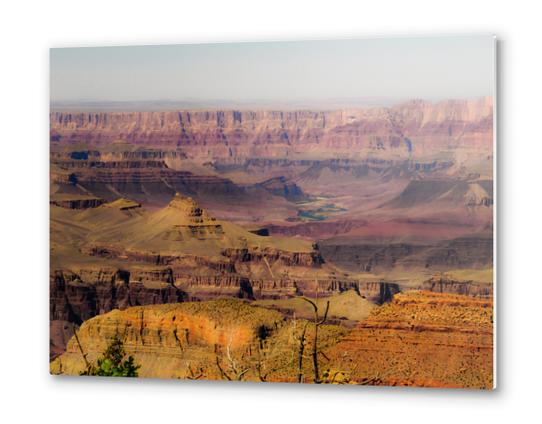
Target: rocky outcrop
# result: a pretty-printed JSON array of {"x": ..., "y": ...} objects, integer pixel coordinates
[
  {"x": 444, "y": 284},
  {"x": 422, "y": 339},
  {"x": 281, "y": 186},
  {"x": 81, "y": 158},
  {"x": 146, "y": 175},
  {"x": 284, "y": 258},
  {"x": 321, "y": 170},
  {"x": 472, "y": 251},
  {"x": 307, "y": 170},
  {"x": 419, "y": 339},
  {"x": 181, "y": 252},
  {"x": 454, "y": 192},
  {"x": 370, "y": 256},
  {"x": 376, "y": 291},
  {"x": 77, "y": 203},
  {"x": 142, "y": 180},
  {"x": 198, "y": 332},
  {"x": 413, "y": 127},
  {"x": 75, "y": 298},
  {"x": 78, "y": 297}
]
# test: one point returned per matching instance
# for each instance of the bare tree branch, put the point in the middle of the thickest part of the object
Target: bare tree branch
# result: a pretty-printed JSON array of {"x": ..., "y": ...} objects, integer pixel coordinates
[
  {"x": 222, "y": 372},
  {"x": 300, "y": 353},
  {"x": 317, "y": 323},
  {"x": 83, "y": 354}
]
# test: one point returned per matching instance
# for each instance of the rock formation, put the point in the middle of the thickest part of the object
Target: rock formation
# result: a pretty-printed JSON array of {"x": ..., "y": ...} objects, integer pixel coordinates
[
  {"x": 151, "y": 210},
  {"x": 177, "y": 253},
  {"x": 447, "y": 284},
  {"x": 76, "y": 201},
  {"x": 73, "y": 300},
  {"x": 281, "y": 186},
  {"x": 422, "y": 339},
  {"x": 417, "y": 127},
  {"x": 475, "y": 251},
  {"x": 179, "y": 334},
  {"x": 419, "y": 339}
]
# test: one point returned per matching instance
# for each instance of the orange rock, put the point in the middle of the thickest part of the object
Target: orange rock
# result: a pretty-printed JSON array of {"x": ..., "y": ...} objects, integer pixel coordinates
[{"x": 422, "y": 339}]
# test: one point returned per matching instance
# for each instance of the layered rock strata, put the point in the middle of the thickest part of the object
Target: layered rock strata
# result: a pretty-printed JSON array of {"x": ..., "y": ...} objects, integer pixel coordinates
[
  {"x": 422, "y": 339},
  {"x": 444, "y": 284},
  {"x": 416, "y": 126}
]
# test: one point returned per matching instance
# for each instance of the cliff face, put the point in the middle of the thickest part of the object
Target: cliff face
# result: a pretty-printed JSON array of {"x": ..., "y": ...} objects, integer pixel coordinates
[
  {"x": 414, "y": 127},
  {"x": 443, "y": 284},
  {"x": 77, "y": 203},
  {"x": 77, "y": 297},
  {"x": 280, "y": 186},
  {"x": 74, "y": 299},
  {"x": 143, "y": 180},
  {"x": 463, "y": 252}
]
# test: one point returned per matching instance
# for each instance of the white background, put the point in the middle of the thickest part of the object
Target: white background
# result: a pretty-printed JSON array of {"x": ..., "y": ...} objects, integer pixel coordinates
[{"x": 29, "y": 29}]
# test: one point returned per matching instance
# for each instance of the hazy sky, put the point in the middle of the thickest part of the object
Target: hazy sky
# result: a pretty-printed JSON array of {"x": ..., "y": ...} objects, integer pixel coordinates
[{"x": 398, "y": 68}]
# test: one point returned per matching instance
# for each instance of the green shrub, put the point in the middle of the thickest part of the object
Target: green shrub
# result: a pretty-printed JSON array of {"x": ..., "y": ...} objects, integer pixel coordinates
[{"x": 113, "y": 362}]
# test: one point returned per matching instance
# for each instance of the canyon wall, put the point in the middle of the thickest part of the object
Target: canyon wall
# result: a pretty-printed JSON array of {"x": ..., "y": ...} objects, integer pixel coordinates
[
  {"x": 443, "y": 284},
  {"x": 464, "y": 252},
  {"x": 78, "y": 297},
  {"x": 416, "y": 127},
  {"x": 74, "y": 298}
]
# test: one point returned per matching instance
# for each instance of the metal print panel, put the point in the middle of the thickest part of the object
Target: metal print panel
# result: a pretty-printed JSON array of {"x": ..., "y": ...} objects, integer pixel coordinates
[{"x": 313, "y": 212}]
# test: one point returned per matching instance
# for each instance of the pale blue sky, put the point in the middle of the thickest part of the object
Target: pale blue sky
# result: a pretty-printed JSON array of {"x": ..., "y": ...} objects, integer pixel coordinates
[{"x": 399, "y": 68}]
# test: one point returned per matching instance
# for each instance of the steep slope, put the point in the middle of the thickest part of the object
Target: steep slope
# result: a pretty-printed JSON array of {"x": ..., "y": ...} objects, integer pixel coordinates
[{"x": 447, "y": 192}]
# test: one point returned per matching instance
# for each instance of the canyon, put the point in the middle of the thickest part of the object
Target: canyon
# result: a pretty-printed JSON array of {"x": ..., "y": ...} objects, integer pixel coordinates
[
  {"x": 129, "y": 256},
  {"x": 157, "y": 214}
]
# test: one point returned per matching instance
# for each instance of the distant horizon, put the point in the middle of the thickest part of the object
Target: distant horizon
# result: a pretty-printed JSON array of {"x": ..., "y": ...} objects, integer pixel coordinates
[{"x": 387, "y": 70}]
